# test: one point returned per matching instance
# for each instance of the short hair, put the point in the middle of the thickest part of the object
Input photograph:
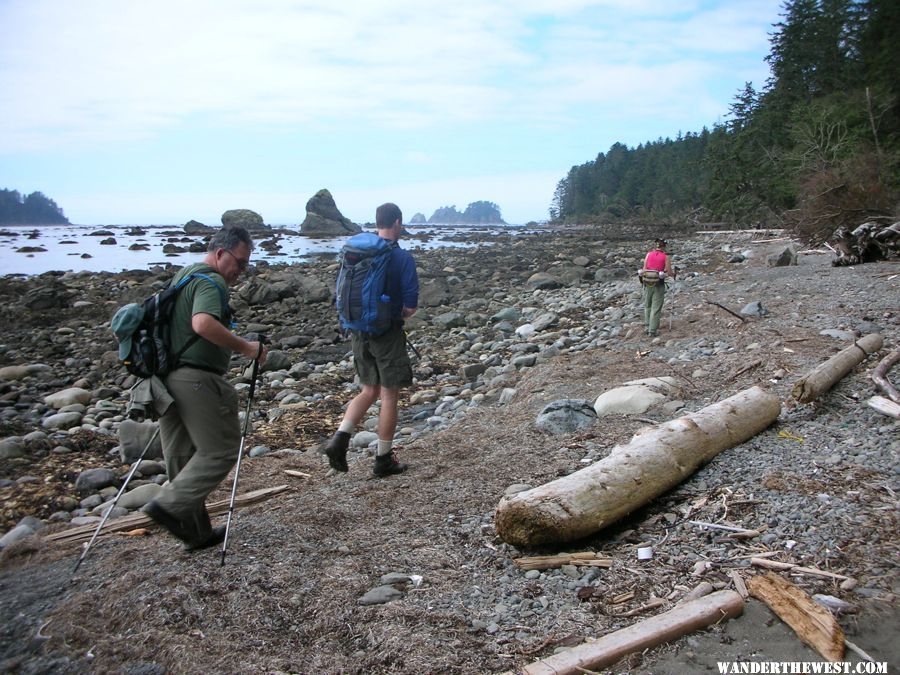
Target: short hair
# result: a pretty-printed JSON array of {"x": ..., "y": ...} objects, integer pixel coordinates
[
  {"x": 228, "y": 238},
  {"x": 661, "y": 243},
  {"x": 386, "y": 215}
]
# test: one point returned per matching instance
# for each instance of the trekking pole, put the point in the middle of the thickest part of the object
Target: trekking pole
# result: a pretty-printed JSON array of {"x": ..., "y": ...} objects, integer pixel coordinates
[
  {"x": 115, "y": 501},
  {"x": 672, "y": 313},
  {"x": 237, "y": 469},
  {"x": 413, "y": 347}
]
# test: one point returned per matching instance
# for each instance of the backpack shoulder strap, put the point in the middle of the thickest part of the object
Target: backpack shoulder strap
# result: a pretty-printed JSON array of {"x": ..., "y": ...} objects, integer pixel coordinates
[{"x": 226, "y": 310}]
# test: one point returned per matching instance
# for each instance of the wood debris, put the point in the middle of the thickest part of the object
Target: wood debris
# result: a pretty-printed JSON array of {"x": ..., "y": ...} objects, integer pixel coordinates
[
  {"x": 742, "y": 318},
  {"x": 546, "y": 562},
  {"x": 795, "y": 569},
  {"x": 134, "y": 520},
  {"x": 734, "y": 532},
  {"x": 813, "y": 623}
]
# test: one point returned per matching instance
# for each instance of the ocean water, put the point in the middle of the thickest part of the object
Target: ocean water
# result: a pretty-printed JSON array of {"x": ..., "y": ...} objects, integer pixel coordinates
[{"x": 77, "y": 248}]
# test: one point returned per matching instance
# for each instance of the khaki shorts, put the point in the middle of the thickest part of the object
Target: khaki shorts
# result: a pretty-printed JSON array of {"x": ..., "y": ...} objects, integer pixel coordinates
[{"x": 382, "y": 360}]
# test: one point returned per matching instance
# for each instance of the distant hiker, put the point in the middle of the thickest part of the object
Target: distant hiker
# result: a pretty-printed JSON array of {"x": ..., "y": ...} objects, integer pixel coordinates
[
  {"x": 200, "y": 433},
  {"x": 657, "y": 267},
  {"x": 379, "y": 348}
]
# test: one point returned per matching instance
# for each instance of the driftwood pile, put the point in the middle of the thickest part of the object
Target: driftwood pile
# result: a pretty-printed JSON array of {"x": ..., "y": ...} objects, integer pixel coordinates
[{"x": 870, "y": 242}]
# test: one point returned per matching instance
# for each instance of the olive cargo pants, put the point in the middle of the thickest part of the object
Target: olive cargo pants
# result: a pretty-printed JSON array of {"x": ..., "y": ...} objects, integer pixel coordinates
[
  {"x": 200, "y": 437},
  {"x": 654, "y": 297}
]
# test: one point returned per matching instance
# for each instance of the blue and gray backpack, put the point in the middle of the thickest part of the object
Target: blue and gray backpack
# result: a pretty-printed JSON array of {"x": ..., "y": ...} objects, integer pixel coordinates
[{"x": 360, "y": 295}]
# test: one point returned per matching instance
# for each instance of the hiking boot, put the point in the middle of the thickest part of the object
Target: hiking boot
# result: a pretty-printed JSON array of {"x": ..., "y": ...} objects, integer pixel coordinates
[
  {"x": 216, "y": 537},
  {"x": 175, "y": 526},
  {"x": 387, "y": 465},
  {"x": 336, "y": 451}
]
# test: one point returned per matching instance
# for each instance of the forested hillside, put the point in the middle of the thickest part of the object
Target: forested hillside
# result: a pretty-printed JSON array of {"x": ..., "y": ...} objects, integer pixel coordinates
[
  {"x": 817, "y": 147},
  {"x": 33, "y": 209}
]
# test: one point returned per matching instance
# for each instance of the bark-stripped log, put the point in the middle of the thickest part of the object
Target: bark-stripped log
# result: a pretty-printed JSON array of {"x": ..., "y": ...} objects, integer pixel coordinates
[
  {"x": 879, "y": 375},
  {"x": 655, "y": 460},
  {"x": 684, "y": 619},
  {"x": 824, "y": 377}
]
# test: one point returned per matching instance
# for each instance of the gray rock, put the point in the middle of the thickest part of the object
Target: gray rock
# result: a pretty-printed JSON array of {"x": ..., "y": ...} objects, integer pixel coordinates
[
  {"x": 846, "y": 335},
  {"x": 381, "y": 595},
  {"x": 62, "y": 420},
  {"x": 449, "y": 320},
  {"x": 506, "y": 314},
  {"x": 12, "y": 447},
  {"x": 134, "y": 437},
  {"x": 471, "y": 371},
  {"x": 66, "y": 397},
  {"x": 787, "y": 257},
  {"x": 565, "y": 416},
  {"x": 363, "y": 439},
  {"x": 245, "y": 218},
  {"x": 544, "y": 281},
  {"x": 94, "y": 479},
  {"x": 277, "y": 360},
  {"x": 139, "y": 496},
  {"x": 323, "y": 219},
  {"x": 754, "y": 308},
  {"x": 260, "y": 451},
  {"x": 18, "y": 533}
]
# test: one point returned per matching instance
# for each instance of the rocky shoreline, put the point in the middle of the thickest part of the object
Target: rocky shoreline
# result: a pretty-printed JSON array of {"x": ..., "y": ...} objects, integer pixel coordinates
[{"x": 505, "y": 329}]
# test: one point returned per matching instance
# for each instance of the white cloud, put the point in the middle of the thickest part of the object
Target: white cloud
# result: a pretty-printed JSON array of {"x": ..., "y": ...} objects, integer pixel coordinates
[{"x": 81, "y": 73}]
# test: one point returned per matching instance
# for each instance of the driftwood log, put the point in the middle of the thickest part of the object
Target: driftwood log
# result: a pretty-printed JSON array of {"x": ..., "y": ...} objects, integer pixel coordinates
[
  {"x": 664, "y": 627},
  {"x": 655, "y": 460},
  {"x": 825, "y": 376}
]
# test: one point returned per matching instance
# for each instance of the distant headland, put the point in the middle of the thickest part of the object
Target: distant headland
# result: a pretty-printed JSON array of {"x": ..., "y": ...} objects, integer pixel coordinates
[
  {"x": 33, "y": 209},
  {"x": 476, "y": 213}
]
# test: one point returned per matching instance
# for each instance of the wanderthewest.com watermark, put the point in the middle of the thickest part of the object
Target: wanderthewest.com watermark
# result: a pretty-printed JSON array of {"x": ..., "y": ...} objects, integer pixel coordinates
[{"x": 799, "y": 667}]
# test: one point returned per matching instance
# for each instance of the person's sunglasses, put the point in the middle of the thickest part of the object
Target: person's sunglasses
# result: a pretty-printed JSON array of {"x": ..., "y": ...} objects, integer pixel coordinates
[{"x": 242, "y": 264}]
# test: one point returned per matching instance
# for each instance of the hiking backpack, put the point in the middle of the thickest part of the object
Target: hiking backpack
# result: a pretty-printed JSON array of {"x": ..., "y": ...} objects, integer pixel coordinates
[
  {"x": 143, "y": 330},
  {"x": 360, "y": 295}
]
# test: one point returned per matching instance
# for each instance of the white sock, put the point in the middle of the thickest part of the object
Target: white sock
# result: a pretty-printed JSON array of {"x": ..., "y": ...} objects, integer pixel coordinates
[
  {"x": 347, "y": 426},
  {"x": 384, "y": 447}
]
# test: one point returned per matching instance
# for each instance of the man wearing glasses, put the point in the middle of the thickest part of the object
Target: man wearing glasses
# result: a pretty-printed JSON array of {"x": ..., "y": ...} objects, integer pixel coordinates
[{"x": 200, "y": 433}]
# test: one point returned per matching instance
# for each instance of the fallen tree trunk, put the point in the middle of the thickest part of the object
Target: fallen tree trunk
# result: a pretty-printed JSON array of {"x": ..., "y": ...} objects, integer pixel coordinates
[
  {"x": 664, "y": 627},
  {"x": 135, "y": 520},
  {"x": 824, "y": 377},
  {"x": 655, "y": 460}
]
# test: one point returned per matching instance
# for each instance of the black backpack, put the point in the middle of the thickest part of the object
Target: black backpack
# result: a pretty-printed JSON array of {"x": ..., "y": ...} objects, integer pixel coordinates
[{"x": 143, "y": 330}]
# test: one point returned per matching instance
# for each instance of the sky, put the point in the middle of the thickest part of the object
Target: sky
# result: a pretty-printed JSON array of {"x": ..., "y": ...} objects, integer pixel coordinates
[{"x": 166, "y": 111}]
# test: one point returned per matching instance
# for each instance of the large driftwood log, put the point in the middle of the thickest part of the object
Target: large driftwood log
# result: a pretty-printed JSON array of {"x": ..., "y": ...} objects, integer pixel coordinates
[
  {"x": 664, "y": 627},
  {"x": 655, "y": 460},
  {"x": 825, "y": 376}
]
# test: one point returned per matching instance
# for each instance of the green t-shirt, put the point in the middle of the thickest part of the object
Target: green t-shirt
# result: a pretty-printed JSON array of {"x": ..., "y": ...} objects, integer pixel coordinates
[{"x": 199, "y": 296}]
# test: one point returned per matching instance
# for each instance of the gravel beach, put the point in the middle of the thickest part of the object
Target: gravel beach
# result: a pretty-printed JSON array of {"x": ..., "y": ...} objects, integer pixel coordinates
[{"x": 348, "y": 574}]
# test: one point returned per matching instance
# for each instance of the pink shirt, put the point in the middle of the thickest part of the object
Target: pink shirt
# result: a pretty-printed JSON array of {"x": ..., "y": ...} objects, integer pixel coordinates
[{"x": 655, "y": 260}]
